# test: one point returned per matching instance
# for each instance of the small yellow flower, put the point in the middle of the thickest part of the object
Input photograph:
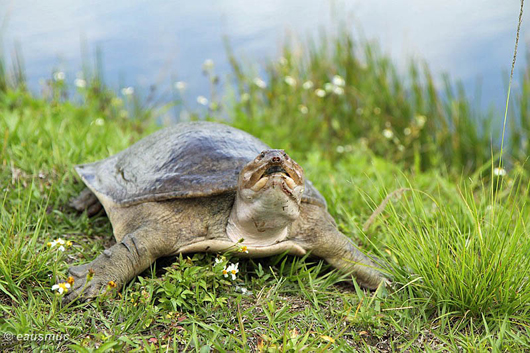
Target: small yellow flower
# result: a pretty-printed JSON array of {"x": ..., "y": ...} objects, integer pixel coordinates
[
  {"x": 112, "y": 284},
  {"x": 70, "y": 280},
  {"x": 243, "y": 249},
  {"x": 49, "y": 244}
]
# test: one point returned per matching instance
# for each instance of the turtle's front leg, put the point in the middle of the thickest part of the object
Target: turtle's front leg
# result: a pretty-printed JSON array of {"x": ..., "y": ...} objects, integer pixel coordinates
[
  {"x": 318, "y": 233},
  {"x": 342, "y": 254},
  {"x": 120, "y": 263}
]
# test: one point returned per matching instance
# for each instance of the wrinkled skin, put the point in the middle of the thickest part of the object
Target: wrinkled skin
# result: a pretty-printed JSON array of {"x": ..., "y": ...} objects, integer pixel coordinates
[{"x": 266, "y": 214}]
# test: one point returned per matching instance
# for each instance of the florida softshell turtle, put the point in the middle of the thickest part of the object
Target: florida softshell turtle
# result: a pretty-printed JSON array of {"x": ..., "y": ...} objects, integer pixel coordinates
[{"x": 207, "y": 187}]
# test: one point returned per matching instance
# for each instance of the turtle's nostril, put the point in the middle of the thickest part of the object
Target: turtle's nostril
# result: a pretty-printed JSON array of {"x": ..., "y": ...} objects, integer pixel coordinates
[{"x": 276, "y": 159}]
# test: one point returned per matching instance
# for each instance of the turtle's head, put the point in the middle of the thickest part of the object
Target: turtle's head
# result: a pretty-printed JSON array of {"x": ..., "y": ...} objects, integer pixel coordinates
[
  {"x": 268, "y": 198},
  {"x": 272, "y": 177}
]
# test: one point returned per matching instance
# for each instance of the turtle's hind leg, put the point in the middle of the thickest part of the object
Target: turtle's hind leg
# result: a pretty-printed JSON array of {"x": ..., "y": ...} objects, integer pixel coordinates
[{"x": 86, "y": 200}]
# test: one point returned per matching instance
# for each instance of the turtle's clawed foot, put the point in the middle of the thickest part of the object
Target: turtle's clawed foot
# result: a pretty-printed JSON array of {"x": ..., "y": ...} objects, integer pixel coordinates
[
  {"x": 87, "y": 285},
  {"x": 86, "y": 200}
]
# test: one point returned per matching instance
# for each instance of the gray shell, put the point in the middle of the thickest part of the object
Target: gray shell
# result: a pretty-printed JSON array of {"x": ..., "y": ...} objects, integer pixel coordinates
[{"x": 197, "y": 159}]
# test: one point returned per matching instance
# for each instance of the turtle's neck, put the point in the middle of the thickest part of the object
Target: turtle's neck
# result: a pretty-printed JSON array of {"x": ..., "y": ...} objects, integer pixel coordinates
[{"x": 258, "y": 226}]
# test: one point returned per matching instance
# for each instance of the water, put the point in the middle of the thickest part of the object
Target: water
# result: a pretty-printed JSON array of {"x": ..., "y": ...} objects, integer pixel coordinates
[{"x": 160, "y": 42}]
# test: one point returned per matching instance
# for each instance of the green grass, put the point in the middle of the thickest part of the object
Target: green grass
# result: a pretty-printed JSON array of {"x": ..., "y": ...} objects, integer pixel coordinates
[{"x": 457, "y": 244}]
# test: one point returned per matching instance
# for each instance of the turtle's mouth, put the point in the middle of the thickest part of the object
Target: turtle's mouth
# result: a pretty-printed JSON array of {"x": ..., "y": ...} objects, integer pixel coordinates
[
  {"x": 275, "y": 169},
  {"x": 276, "y": 175}
]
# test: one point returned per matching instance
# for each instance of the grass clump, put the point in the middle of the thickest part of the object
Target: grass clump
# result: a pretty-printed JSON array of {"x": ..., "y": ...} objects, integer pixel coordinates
[{"x": 466, "y": 256}]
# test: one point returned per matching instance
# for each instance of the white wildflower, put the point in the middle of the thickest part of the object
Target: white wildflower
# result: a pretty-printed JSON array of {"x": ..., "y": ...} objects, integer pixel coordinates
[
  {"x": 291, "y": 81},
  {"x": 283, "y": 61},
  {"x": 180, "y": 85},
  {"x": 245, "y": 97},
  {"x": 338, "y": 81},
  {"x": 61, "y": 287},
  {"x": 59, "y": 76},
  {"x": 260, "y": 83},
  {"x": 388, "y": 133},
  {"x": 207, "y": 65},
  {"x": 231, "y": 269},
  {"x": 340, "y": 149},
  {"x": 202, "y": 100},
  {"x": 407, "y": 131},
  {"x": 60, "y": 243},
  {"x": 420, "y": 120},
  {"x": 127, "y": 91},
  {"x": 320, "y": 92},
  {"x": 328, "y": 87},
  {"x": 243, "y": 290},
  {"x": 339, "y": 91},
  {"x": 499, "y": 171},
  {"x": 99, "y": 122},
  {"x": 303, "y": 109},
  {"x": 80, "y": 83},
  {"x": 308, "y": 84}
]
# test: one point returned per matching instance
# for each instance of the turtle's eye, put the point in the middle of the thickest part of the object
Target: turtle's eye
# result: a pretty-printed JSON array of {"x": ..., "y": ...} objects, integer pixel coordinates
[
  {"x": 285, "y": 156},
  {"x": 262, "y": 155}
]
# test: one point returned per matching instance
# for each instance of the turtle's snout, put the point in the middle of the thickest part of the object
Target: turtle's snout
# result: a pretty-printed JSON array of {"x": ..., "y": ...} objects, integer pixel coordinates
[{"x": 273, "y": 156}]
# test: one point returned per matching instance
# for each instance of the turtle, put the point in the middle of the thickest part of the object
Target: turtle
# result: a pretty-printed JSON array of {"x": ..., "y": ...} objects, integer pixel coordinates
[{"x": 207, "y": 187}]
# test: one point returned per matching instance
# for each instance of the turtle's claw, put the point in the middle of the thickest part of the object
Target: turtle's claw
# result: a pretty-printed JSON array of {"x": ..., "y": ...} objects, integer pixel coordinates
[{"x": 87, "y": 284}]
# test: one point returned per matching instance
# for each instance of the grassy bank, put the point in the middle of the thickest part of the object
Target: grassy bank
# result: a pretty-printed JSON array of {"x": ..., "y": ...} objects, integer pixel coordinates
[{"x": 457, "y": 247}]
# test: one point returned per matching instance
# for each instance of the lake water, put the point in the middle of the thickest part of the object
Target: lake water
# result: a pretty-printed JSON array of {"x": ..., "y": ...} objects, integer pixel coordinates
[{"x": 159, "y": 42}]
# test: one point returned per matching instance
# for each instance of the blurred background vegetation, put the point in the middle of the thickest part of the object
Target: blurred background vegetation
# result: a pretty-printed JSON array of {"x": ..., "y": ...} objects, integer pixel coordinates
[{"x": 335, "y": 95}]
